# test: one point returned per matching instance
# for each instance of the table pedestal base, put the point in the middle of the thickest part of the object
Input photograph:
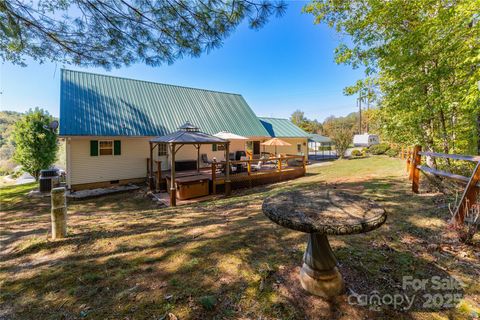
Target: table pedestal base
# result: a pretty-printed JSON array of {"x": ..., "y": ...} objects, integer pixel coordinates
[{"x": 319, "y": 274}]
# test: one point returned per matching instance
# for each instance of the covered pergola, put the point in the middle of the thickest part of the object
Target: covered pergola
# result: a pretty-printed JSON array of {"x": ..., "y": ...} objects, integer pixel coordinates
[
  {"x": 188, "y": 134},
  {"x": 323, "y": 141}
]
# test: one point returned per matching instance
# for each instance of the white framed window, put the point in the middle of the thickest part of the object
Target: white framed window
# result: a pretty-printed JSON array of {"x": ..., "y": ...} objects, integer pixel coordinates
[
  {"x": 162, "y": 149},
  {"x": 105, "y": 147}
]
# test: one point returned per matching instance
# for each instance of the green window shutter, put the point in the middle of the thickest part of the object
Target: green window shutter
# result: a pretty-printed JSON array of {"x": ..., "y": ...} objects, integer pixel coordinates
[
  {"x": 117, "y": 147},
  {"x": 93, "y": 148},
  {"x": 214, "y": 147}
]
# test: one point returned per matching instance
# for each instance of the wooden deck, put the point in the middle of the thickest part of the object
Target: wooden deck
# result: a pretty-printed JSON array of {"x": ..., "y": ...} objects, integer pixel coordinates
[
  {"x": 164, "y": 198},
  {"x": 244, "y": 174}
]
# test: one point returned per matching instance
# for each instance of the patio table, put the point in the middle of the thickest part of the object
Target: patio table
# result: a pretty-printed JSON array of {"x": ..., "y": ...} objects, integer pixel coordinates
[{"x": 320, "y": 213}]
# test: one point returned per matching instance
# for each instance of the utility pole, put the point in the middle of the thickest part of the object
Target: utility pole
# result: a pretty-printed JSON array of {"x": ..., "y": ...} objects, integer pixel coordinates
[
  {"x": 359, "y": 103},
  {"x": 368, "y": 107}
]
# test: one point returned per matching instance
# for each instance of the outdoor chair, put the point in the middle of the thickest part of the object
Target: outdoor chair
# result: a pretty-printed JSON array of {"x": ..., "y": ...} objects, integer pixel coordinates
[
  {"x": 204, "y": 159},
  {"x": 293, "y": 163},
  {"x": 257, "y": 167}
]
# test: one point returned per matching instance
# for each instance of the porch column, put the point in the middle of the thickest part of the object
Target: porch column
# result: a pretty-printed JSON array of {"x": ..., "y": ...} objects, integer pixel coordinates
[
  {"x": 228, "y": 187},
  {"x": 173, "y": 195}
]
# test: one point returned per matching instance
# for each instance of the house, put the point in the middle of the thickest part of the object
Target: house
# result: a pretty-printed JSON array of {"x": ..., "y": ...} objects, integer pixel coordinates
[
  {"x": 365, "y": 140},
  {"x": 107, "y": 123}
]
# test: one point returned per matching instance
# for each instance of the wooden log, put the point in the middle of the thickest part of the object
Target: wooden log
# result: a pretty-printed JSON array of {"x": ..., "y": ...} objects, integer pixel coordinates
[
  {"x": 451, "y": 156},
  {"x": 59, "y": 213},
  {"x": 469, "y": 196},
  {"x": 214, "y": 178},
  {"x": 443, "y": 174},
  {"x": 415, "y": 172}
]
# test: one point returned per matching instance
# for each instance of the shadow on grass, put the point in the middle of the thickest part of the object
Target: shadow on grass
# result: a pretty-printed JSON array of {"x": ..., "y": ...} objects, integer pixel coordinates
[{"x": 220, "y": 259}]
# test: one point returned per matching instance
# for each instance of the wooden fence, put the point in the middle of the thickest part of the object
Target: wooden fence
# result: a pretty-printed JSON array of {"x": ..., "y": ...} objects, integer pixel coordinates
[{"x": 472, "y": 188}]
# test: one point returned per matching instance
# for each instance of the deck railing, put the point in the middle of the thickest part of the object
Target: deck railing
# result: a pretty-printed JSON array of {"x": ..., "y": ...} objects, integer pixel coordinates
[
  {"x": 252, "y": 172},
  {"x": 243, "y": 173},
  {"x": 472, "y": 189}
]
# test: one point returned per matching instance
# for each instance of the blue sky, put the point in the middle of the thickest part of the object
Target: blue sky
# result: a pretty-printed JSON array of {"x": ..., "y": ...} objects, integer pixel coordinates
[{"x": 286, "y": 65}]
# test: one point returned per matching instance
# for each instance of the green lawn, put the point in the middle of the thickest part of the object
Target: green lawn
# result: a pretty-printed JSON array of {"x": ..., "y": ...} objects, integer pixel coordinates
[{"x": 125, "y": 258}]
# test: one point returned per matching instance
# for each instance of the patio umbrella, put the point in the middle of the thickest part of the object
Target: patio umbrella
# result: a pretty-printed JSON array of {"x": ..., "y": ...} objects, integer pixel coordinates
[
  {"x": 229, "y": 136},
  {"x": 275, "y": 142}
]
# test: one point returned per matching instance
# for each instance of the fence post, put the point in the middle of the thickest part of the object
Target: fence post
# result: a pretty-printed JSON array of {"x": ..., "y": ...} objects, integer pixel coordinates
[
  {"x": 469, "y": 196},
  {"x": 59, "y": 213},
  {"x": 214, "y": 176},
  {"x": 414, "y": 171},
  {"x": 409, "y": 154}
]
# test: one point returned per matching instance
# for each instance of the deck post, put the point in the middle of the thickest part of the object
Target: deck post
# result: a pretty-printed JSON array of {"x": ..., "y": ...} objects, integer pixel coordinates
[
  {"x": 148, "y": 168},
  {"x": 151, "y": 180},
  {"x": 249, "y": 172},
  {"x": 198, "y": 157},
  {"x": 59, "y": 213},
  {"x": 159, "y": 174},
  {"x": 214, "y": 178},
  {"x": 414, "y": 171},
  {"x": 280, "y": 169},
  {"x": 304, "y": 163},
  {"x": 228, "y": 187},
  {"x": 173, "y": 194}
]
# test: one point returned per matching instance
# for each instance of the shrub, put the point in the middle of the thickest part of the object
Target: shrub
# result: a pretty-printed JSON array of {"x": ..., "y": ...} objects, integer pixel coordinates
[
  {"x": 35, "y": 146},
  {"x": 356, "y": 153},
  {"x": 208, "y": 302},
  {"x": 7, "y": 167},
  {"x": 378, "y": 148},
  {"x": 392, "y": 152}
]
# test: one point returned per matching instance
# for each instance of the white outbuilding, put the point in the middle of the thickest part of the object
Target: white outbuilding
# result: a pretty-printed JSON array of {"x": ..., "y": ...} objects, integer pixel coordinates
[{"x": 365, "y": 140}]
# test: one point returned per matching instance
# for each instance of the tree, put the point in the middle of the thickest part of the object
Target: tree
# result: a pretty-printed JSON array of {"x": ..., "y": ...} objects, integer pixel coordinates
[
  {"x": 341, "y": 135},
  {"x": 110, "y": 33},
  {"x": 36, "y": 146},
  {"x": 424, "y": 55},
  {"x": 311, "y": 126},
  {"x": 298, "y": 118}
]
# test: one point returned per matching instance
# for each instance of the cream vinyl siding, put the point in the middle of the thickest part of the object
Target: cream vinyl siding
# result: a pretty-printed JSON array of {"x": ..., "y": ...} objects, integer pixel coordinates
[
  {"x": 287, "y": 149},
  {"x": 87, "y": 169},
  {"x": 132, "y": 163}
]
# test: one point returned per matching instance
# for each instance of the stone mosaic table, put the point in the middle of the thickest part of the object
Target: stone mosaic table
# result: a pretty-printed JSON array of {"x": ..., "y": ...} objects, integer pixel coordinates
[{"x": 321, "y": 213}]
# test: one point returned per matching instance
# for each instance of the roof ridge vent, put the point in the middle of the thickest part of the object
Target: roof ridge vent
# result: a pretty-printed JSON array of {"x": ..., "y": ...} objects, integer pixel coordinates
[{"x": 187, "y": 126}]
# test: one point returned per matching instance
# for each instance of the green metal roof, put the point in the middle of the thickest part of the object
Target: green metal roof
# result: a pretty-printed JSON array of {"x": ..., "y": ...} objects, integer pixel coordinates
[
  {"x": 319, "y": 138},
  {"x": 101, "y": 105},
  {"x": 282, "y": 128}
]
